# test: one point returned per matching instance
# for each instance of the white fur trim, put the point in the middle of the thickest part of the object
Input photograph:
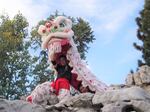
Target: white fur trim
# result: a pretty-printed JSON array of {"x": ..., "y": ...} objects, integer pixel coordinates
[{"x": 40, "y": 30}]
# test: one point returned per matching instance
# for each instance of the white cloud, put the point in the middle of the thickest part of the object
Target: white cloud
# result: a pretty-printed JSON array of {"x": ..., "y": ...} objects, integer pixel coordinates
[
  {"x": 82, "y": 8},
  {"x": 33, "y": 12},
  {"x": 117, "y": 15},
  {"x": 106, "y": 17},
  {"x": 113, "y": 17}
]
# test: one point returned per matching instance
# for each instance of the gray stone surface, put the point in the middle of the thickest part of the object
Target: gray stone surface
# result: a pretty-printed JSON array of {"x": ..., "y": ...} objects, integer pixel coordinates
[
  {"x": 137, "y": 79},
  {"x": 19, "y": 106},
  {"x": 133, "y": 99},
  {"x": 134, "y": 96},
  {"x": 132, "y": 106},
  {"x": 145, "y": 74},
  {"x": 130, "y": 80},
  {"x": 82, "y": 100},
  {"x": 125, "y": 94}
]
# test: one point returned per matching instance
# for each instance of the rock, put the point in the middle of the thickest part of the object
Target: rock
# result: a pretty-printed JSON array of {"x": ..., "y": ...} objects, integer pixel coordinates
[
  {"x": 140, "y": 78},
  {"x": 53, "y": 99},
  {"x": 134, "y": 96},
  {"x": 145, "y": 78},
  {"x": 2, "y": 97},
  {"x": 19, "y": 106},
  {"x": 81, "y": 100},
  {"x": 142, "y": 106},
  {"x": 132, "y": 106},
  {"x": 130, "y": 80},
  {"x": 133, "y": 99},
  {"x": 147, "y": 88},
  {"x": 125, "y": 94},
  {"x": 85, "y": 110},
  {"x": 113, "y": 107},
  {"x": 53, "y": 108},
  {"x": 115, "y": 87},
  {"x": 145, "y": 74},
  {"x": 137, "y": 79}
]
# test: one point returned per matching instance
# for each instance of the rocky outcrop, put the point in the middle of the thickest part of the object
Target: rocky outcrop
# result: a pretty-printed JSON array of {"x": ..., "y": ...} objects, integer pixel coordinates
[
  {"x": 134, "y": 96},
  {"x": 133, "y": 99},
  {"x": 123, "y": 100},
  {"x": 141, "y": 78},
  {"x": 19, "y": 106}
]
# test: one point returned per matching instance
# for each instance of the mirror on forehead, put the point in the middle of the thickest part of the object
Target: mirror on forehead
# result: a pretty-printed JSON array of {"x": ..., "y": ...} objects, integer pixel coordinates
[{"x": 62, "y": 24}]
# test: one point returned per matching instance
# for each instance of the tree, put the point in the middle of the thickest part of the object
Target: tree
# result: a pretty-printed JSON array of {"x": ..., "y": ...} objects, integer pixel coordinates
[
  {"x": 143, "y": 34},
  {"x": 15, "y": 60},
  {"x": 83, "y": 36}
]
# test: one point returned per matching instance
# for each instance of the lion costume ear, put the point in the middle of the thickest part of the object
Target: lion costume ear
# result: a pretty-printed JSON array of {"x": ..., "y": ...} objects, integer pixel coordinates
[
  {"x": 42, "y": 30},
  {"x": 68, "y": 22}
]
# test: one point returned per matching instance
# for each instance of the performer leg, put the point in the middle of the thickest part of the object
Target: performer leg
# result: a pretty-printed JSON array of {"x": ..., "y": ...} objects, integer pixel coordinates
[{"x": 62, "y": 88}]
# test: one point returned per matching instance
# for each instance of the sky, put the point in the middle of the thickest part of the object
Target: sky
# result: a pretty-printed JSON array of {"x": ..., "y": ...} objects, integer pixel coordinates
[{"x": 112, "y": 55}]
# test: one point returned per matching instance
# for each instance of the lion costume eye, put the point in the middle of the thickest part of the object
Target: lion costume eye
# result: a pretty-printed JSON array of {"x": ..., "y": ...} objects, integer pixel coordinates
[
  {"x": 62, "y": 25},
  {"x": 55, "y": 27}
]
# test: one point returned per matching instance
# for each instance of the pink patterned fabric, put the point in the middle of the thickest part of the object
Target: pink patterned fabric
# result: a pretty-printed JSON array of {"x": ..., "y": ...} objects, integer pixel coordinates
[
  {"x": 84, "y": 74},
  {"x": 42, "y": 92}
]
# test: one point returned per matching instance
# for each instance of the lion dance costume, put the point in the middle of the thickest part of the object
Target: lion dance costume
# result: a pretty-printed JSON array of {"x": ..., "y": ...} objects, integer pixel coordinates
[{"x": 57, "y": 38}]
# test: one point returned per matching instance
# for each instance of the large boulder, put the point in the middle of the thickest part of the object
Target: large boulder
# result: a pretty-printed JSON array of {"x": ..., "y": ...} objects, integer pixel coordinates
[
  {"x": 134, "y": 96},
  {"x": 124, "y": 94},
  {"x": 19, "y": 106},
  {"x": 133, "y": 99},
  {"x": 139, "y": 78}
]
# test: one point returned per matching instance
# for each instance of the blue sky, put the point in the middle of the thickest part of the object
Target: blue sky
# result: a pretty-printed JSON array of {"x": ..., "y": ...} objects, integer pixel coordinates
[{"x": 111, "y": 56}]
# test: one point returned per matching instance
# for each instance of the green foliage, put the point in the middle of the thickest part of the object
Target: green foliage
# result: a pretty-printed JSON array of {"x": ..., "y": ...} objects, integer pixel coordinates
[
  {"x": 41, "y": 70},
  {"x": 143, "y": 34},
  {"x": 83, "y": 36},
  {"x": 14, "y": 56}
]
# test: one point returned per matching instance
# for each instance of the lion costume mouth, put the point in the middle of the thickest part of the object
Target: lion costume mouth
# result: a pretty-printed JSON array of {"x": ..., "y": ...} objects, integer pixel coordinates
[{"x": 56, "y": 37}]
